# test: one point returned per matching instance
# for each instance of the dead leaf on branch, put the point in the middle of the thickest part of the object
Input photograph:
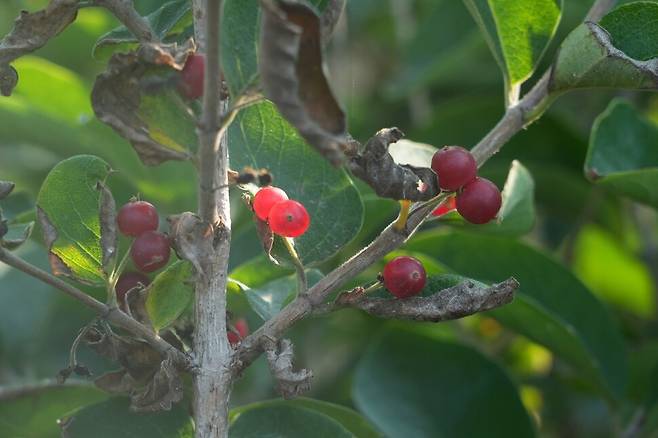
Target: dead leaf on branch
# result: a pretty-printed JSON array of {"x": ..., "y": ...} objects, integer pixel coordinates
[
  {"x": 32, "y": 31},
  {"x": 119, "y": 93},
  {"x": 291, "y": 383},
  {"x": 108, "y": 223},
  {"x": 293, "y": 75}
]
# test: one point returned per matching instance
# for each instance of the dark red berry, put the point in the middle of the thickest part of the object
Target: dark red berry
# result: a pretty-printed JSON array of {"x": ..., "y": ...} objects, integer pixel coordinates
[
  {"x": 137, "y": 217},
  {"x": 445, "y": 207},
  {"x": 150, "y": 251},
  {"x": 242, "y": 329},
  {"x": 128, "y": 281},
  {"x": 190, "y": 84},
  {"x": 404, "y": 276},
  {"x": 454, "y": 166},
  {"x": 479, "y": 201},
  {"x": 265, "y": 199},
  {"x": 289, "y": 219}
]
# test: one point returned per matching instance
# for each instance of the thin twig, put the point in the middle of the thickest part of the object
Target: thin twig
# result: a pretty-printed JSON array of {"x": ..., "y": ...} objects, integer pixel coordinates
[
  {"x": 126, "y": 13},
  {"x": 112, "y": 314}
]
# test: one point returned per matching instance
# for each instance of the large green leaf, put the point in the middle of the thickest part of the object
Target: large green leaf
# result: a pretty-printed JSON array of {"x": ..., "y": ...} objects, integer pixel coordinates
[
  {"x": 170, "y": 294},
  {"x": 517, "y": 31},
  {"x": 575, "y": 324},
  {"x": 349, "y": 419},
  {"x": 268, "y": 300},
  {"x": 440, "y": 389},
  {"x": 69, "y": 214},
  {"x": 113, "y": 418},
  {"x": 32, "y": 412},
  {"x": 259, "y": 137},
  {"x": 618, "y": 52},
  {"x": 169, "y": 20},
  {"x": 622, "y": 155},
  {"x": 285, "y": 420}
]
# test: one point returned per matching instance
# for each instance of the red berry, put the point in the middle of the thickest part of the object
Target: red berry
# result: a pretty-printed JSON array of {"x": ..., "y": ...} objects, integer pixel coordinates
[
  {"x": 404, "y": 276},
  {"x": 137, "y": 217},
  {"x": 190, "y": 84},
  {"x": 150, "y": 251},
  {"x": 479, "y": 201},
  {"x": 289, "y": 219},
  {"x": 454, "y": 166},
  {"x": 242, "y": 329},
  {"x": 128, "y": 281},
  {"x": 445, "y": 207},
  {"x": 265, "y": 199}
]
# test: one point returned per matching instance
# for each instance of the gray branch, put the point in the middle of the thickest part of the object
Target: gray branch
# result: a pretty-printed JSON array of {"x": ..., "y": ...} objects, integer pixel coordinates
[{"x": 126, "y": 13}]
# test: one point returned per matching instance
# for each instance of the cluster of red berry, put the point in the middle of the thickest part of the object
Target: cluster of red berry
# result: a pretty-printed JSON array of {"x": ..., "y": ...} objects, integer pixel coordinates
[
  {"x": 478, "y": 199},
  {"x": 285, "y": 217}
]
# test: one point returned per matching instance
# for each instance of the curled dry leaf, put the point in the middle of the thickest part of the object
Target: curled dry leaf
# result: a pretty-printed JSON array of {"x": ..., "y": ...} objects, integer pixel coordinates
[
  {"x": 190, "y": 237},
  {"x": 119, "y": 91},
  {"x": 6, "y": 187},
  {"x": 14, "y": 235},
  {"x": 163, "y": 389},
  {"x": 293, "y": 75},
  {"x": 57, "y": 265},
  {"x": 31, "y": 31},
  {"x": 330, "y": 17},
  {"x": 108, "y": 222},
  {"x": 374, "y": 164},
  {"x": 115, "y": 382},
  {"x": 290, "y": 383}
]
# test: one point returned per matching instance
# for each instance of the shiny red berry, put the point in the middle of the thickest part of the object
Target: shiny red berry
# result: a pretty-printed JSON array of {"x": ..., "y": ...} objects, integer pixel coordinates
[
  {"x": 289, "y": 219},
  {"x": 479, "y": 201},
  {"x": 128, "y": 281},
  {"x": 454, "y": 166},
  {"x": 137, "y": 217},
  {"x": 242, "y": 329},
  {"x": 445, "y": 207},
  {"x": 150, "y": 251},
  {"x": 265, "y": 199},
  {"x": 404, "y": 276},
  {"x": 190, "y": 83}
]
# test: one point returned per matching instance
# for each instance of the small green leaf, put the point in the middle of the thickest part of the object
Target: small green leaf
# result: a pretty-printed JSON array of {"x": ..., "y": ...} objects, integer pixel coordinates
[
  {"x": 349, "y": 419},
  {"x": 518, "y": 32},
  {"x": 441, "y": 389},
  {"x": 68, "y": 210},
  {"x": 286, "y": 420},
  {"x": 259, "y": 137},
  {"x": 589, "y": 340},
  {"x": 622, "y": 155},
  {"x": 113, "y": 418},
  {"x": 16, "y": 235},
  {"x": 170, "y": 294},
  {"x": 32, "y": 412},
  {"x": 268, "y": 300},
  {"x": 169, "y": 20}
]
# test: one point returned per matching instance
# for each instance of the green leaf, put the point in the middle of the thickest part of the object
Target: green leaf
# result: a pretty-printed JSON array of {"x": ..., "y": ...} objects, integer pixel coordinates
[
  {"x": 285, "y": 420},
  {"x": 16, "y": 235},
  {"x": 259, "y": 137},
  {"x": 613, "y": 272},
  {"x": 619, "y": 52},
  {"x": 349, "y": 419},
  {"x": 622, "y": 156},
  {"x": 441, "y": 389},
  {"x": 575, "y": 325},
  {"x": 113, "y": 418},
  {"x": 169, "y": 20},
  {"x": 32, "y": 412},
  {"x": 517, "y": 31},
  {"x": 268, "y": 300},
  {"x": 68, "y": 210},
  {"x": 170, "y": 294}
]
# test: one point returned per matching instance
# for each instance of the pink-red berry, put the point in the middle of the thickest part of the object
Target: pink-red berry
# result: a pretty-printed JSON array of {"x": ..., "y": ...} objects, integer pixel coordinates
[
  {"x": 479, "y": 201},
  {"x": 445, "y": 207},
  {"x": 242, "y": 329},
  {"x": 128, "y": 281},
  {"x": 289, "y": 219},
  {"x": 137, "y": 217},
  {"x": 150, "y": 251},
  {"x": 190, "y": 83},
  {"x": 404, "y": 276},
  {"x": 454, "y": 166},
  {"x": 265, "y": 199}
]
